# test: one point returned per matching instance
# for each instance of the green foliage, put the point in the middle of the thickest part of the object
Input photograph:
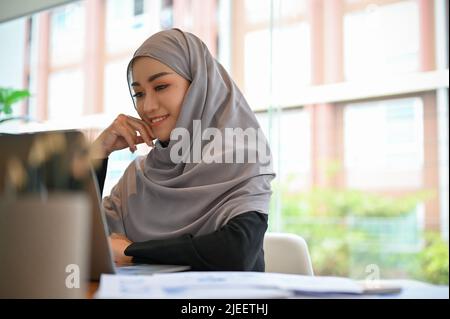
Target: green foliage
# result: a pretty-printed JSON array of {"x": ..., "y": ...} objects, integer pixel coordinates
[
  {"x": 347, "y": 202},
  {"x": 433, "y": 260},
  {"x": 349, "y": 229},
  {"x": 8, "y": 97}
]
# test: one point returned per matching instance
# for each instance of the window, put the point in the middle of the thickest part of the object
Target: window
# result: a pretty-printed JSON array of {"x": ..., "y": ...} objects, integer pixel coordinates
[
  {"x": 276, "y": 62},
  {"x": 381, "y": 40},
  {"x": 117, "y": 95},
  {"x": 291, "y": 145},
  {"x": 65, "y": 95},
  {"x": 34, "y": 62},
  {"x": 65, "y": 78},
  {"x": 67, "y": 35},
  {"x": 384, "y": 144},
  {"x": 12, "y": 53},
  {"x": 166, "y": 18},
  {"x": 138, "y": 7},
  {"x": 125, "y": 30},
  {"x": 332, "y": 148}
]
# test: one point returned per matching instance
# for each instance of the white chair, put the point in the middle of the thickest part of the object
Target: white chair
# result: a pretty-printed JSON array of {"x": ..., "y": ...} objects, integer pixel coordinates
[{"x": 287, "y": 253}]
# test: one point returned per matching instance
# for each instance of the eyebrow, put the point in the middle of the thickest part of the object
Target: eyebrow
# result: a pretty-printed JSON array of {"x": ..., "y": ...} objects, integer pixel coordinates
[{"x": 152, "y": 77}]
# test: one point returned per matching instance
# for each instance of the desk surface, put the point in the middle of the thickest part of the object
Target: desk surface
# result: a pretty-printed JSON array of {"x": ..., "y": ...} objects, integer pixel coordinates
[
  {"x": 92, "y": 289},
  {"x": 411, "y": 289}
]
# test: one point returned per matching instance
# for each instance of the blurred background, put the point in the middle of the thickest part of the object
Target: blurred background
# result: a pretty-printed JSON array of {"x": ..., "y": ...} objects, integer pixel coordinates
[{"x": 352, "y": 94}]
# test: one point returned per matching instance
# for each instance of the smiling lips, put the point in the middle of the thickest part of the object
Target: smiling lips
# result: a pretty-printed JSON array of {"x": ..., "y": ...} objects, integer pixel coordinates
[{"x": 157, "y": 120}]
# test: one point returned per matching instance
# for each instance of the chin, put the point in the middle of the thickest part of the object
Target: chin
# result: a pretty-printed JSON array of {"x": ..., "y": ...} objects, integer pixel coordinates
[{"x": 163, "y": 138}]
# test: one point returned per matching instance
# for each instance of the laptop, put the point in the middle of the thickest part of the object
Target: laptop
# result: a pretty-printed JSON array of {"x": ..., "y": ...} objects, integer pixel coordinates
[{"x": 58, "y": 172}]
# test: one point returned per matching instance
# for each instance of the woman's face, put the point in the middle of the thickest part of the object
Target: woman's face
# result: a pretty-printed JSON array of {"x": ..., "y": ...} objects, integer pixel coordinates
[{"x": 159, "y": 92}]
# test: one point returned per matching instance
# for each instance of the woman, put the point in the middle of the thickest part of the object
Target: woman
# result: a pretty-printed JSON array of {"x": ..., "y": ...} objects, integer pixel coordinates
[{"x": 210, "y": 215}]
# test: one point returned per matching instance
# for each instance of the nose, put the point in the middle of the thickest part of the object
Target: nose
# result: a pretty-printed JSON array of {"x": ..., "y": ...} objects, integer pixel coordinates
[{"x": 150, "y": 104}]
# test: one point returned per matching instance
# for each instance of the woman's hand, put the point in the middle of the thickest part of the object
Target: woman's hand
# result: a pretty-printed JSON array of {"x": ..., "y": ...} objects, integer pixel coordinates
[
  {"x": 119, "y": 243},
  {"x": 120, "y": 134}
]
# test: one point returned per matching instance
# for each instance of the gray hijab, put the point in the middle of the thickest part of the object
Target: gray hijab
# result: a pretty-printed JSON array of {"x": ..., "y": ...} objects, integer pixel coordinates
[{"x": 158, "y": 198}]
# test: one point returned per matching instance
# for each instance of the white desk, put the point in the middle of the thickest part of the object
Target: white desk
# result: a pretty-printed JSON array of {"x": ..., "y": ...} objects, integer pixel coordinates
[
  {"x": 247, "y": 285},
  {"x": 411, "y": 289}
]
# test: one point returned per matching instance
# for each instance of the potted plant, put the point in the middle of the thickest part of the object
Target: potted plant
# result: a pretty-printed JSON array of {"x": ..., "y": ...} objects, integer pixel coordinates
[{"x": 8, "y": 97}]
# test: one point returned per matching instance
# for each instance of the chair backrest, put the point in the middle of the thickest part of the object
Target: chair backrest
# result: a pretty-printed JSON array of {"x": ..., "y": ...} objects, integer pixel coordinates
[{"x": 287, "y": 253}]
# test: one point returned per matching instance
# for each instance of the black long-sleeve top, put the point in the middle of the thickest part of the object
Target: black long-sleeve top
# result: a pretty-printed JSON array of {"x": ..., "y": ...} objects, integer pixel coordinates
[{"x": 237, "y": 246}]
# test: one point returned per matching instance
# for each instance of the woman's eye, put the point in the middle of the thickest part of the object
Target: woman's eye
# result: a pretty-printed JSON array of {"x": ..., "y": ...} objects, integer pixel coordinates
[
  {"x": 138, "y": 95},
  {"x": 161, "y": 87}
]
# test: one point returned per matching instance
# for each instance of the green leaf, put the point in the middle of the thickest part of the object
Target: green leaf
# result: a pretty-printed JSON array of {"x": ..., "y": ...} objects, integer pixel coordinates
[
  {"x": 7, "y": 108},
  {"x": 16, "y": 96},
  {"x": 10, "y": 96},
  {"x": 4, "y": 93}
]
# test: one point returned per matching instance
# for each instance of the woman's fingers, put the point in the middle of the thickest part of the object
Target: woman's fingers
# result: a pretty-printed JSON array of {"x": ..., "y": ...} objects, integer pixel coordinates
[
  {"x": 139, "y": 140},
  {"x": 128, "y": 134},
  {"x": 125, "y": 128},
  {"x": 143, "y": 129},
  {"x": 144, "y": 125}
]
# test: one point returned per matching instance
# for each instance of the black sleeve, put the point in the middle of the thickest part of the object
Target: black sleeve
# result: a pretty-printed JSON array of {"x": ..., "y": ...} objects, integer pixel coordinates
[
  {"x": 237, "y": 246},
  {"x": 100, "y": 167}
]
